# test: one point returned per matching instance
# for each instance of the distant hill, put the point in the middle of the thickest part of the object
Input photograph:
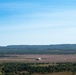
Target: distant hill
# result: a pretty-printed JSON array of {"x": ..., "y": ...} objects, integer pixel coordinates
[{"x": 39, "y": 49}]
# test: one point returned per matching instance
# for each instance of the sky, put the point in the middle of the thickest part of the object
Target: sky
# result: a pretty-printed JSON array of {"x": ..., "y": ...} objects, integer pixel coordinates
[{"x": 37, "y": 22}]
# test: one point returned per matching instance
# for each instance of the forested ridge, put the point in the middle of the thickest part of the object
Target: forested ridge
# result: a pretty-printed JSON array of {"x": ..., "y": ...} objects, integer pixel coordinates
[{"x": 39, "y": 49}]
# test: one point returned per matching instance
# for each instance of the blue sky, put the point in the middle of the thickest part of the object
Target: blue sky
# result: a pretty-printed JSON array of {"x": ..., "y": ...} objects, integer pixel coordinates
[{"x": 37, "y": 22}]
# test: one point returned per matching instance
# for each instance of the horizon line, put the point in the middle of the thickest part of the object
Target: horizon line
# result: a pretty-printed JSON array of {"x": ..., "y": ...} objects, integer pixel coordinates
[{"x": 34, "y": 44}]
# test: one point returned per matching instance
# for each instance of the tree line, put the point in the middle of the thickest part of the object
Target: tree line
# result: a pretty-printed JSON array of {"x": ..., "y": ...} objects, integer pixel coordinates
[
  {"x": 31, "y": 68},
  {"x": 39, "y": 49}
]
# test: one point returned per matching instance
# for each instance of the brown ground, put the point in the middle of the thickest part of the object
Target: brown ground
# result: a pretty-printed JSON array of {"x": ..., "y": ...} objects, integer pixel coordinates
[
  {"x": 45, "y": 58},
  {"x": 59, "y": 73}
]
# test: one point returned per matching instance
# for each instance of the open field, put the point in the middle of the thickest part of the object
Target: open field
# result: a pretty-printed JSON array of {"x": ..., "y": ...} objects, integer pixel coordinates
[{"x": 32, "y": 58}]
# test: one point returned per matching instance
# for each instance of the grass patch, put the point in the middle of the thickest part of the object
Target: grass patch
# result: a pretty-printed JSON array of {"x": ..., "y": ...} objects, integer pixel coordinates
[{"x": 59, "y": 73}]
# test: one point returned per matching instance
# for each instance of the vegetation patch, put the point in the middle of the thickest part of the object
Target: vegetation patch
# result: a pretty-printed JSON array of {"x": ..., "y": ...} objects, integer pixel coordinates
[{"x": 37, "y": 69}]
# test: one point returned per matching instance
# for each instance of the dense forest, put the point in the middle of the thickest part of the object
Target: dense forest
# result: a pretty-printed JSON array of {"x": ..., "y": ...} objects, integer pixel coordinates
[
  {"x": 39, "y": 49},
  {"x": 38, "y": 68}
]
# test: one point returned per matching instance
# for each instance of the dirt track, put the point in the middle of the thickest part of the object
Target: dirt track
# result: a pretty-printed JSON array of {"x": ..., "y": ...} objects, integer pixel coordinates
[{"x": 45, "y": 58}]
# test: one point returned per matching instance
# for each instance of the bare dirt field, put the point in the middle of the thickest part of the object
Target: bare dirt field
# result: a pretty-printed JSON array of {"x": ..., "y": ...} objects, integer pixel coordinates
[{"x": 44, "y": 58}]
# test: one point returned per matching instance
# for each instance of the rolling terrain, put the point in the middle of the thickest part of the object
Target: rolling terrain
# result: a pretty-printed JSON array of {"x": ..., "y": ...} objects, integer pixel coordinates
[{"x": 39, "y": 49}]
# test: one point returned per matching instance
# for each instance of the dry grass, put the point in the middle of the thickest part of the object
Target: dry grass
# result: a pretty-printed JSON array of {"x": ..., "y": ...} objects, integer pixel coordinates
[
  {"x": 60, "y": 73},
  {"x": 45, "y": 58}
]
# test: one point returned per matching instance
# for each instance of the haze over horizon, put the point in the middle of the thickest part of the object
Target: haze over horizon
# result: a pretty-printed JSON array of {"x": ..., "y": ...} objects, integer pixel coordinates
[{"x": 37, "y": 22}]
